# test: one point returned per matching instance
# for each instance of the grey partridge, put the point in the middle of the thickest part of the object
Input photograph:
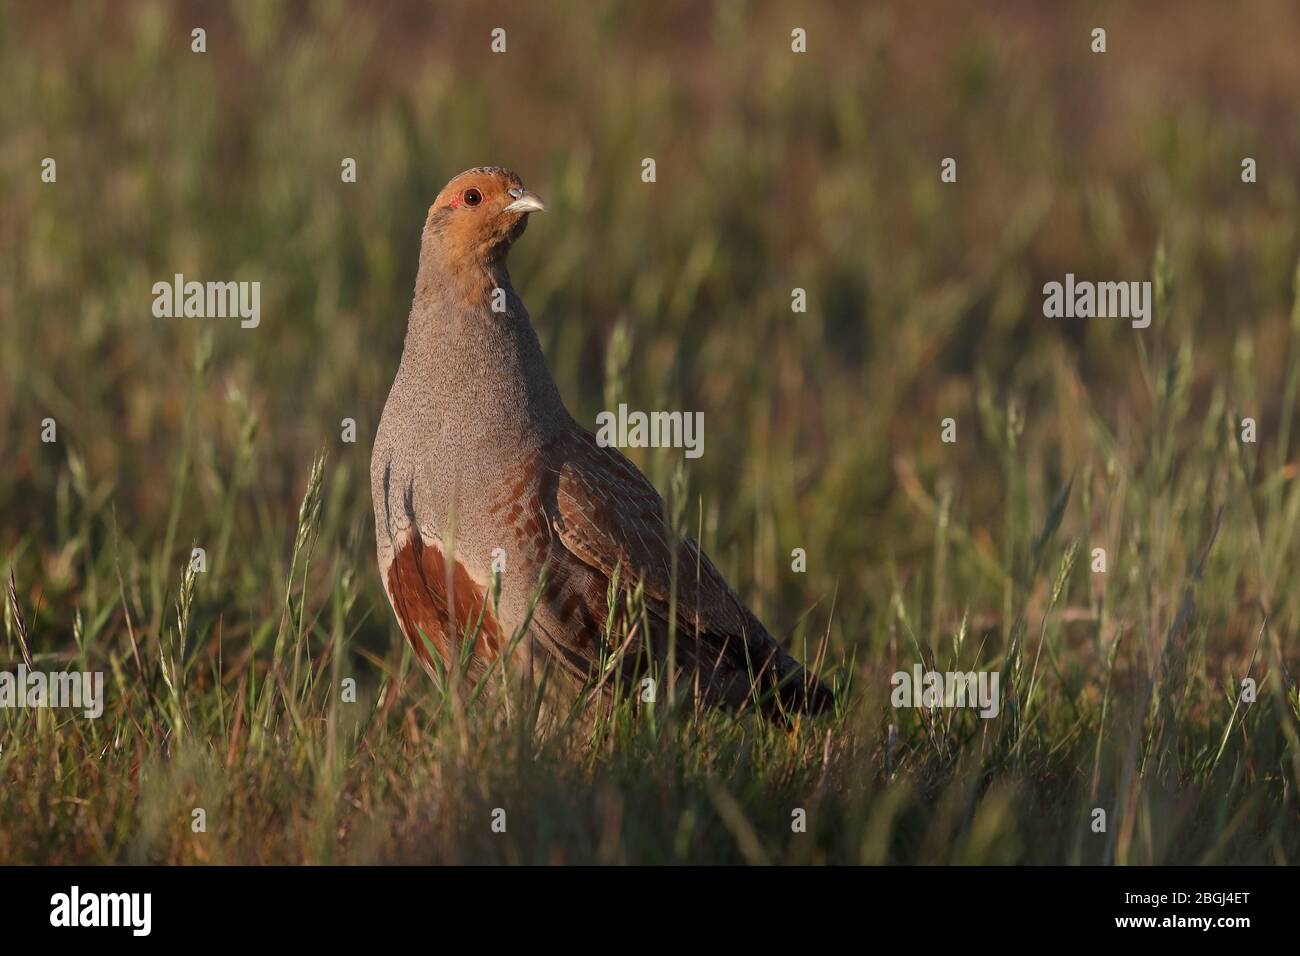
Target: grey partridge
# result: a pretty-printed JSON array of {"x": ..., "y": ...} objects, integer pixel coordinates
[{"x": 478, "y": 468}]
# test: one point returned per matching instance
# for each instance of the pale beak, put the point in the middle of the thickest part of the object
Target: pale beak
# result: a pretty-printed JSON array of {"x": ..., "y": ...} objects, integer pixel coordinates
[{"x": 526, "y": 202}]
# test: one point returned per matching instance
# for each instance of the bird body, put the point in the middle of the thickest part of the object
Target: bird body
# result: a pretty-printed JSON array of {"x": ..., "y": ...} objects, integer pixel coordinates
[{"x": 479, "y": 467}]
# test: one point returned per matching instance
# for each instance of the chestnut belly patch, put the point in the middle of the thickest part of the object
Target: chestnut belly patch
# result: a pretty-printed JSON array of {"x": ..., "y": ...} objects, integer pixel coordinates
[{"x": 428, "y": 599}]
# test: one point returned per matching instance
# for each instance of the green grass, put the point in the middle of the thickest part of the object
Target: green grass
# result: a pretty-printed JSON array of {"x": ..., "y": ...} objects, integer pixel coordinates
[{"x": 1121, "y": 690}]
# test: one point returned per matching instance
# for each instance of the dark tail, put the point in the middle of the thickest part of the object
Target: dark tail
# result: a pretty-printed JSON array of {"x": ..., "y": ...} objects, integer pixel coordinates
[{"x": 792, "y": 691}]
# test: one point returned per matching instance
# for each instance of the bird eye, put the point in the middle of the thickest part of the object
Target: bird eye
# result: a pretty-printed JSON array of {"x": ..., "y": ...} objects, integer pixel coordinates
[{"x": 472, "y": 197}]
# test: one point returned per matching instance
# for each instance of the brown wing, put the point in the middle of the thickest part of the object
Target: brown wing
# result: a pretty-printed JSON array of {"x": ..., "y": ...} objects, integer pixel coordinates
[
  {"x": 419, "y": 582},
  {"x": 609, "y": 516}
]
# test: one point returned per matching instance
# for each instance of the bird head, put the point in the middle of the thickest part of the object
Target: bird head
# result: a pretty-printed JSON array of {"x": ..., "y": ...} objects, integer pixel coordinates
[{"x": 479, "y": 214}]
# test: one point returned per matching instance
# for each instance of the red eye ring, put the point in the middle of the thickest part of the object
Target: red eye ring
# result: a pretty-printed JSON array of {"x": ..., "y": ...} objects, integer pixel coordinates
[{"x": 472, "y": 197}]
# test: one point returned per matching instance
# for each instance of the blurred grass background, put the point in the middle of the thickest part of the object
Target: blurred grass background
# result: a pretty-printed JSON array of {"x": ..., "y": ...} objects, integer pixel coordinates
[{"x": 775, "y": 171}]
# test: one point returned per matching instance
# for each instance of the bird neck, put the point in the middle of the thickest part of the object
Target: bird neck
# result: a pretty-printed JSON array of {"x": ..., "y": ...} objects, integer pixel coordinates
[
  {"x": 448, "y": 270},
  {"x": 470, "y": 343}
]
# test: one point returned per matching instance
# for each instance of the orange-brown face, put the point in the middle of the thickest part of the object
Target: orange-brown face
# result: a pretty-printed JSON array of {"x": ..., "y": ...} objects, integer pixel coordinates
[{"x": 481, "y": 211}]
